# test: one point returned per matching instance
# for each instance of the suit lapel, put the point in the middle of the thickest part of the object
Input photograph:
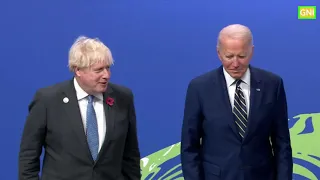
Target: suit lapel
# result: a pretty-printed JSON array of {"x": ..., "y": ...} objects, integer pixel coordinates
[
  {"x": 110, "y": 117},
  {"x": 74, "y": 116},
  {"x": 256, "y": 92},
  {"x": 226, "y": 100}
]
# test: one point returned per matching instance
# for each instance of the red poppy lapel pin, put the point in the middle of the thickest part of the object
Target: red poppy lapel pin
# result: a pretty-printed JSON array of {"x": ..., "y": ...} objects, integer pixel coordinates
[{"x": 110, "y": 101}]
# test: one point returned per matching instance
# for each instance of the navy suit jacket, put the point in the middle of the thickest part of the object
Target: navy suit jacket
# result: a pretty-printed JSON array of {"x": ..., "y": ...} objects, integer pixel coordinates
[{"x": 211, "y": 147}]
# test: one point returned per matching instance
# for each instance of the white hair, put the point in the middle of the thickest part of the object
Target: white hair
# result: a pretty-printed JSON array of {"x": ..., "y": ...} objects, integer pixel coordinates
[
  {"x": 87, "y": 51},
  {"x": 235, "y": 31}
]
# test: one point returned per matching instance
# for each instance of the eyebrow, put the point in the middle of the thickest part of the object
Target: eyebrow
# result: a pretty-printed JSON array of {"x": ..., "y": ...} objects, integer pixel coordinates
[{"x": 241, "y": 54}]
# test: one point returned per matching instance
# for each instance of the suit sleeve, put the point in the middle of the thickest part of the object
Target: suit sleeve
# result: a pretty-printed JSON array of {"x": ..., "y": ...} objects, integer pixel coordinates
[
  {"x": 280, "y": 137},
  {"x": 131, "y": 156},
  {"x": 191, "y": 134},
  {"x": 32, "y": 140}
]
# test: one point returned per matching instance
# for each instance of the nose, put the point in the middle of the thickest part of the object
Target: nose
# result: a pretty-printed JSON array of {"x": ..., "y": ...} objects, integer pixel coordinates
[
  {"x": 235, "y": 63},
  {"x": 106, "y": 73}
]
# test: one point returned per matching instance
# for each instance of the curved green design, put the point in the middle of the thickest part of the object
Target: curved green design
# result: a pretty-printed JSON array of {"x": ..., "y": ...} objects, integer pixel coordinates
[
  {"x": 150, "y": 165},
  {"x": 306, "y": 145},
  {"x": 305, "y": 148}
]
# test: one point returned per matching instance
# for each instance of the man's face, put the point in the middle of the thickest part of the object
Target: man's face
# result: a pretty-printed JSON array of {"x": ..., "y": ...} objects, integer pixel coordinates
[
  {"x": 95, "y": 78},
  {"x": 235, "y": 55}
]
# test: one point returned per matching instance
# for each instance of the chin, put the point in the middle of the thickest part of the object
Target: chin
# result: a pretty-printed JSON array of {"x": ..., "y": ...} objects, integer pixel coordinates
[
  {"x": 237, "y": 75},
  {"x": 101, "y": 89}
]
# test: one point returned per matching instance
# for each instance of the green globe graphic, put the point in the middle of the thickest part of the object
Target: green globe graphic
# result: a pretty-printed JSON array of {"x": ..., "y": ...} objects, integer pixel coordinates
[{"x": 304, "y": 130}]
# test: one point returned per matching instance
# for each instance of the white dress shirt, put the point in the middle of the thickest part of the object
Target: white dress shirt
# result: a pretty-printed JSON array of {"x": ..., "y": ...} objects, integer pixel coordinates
[
  {"x": 245, "y": 86},
  {"x": 98, "y": 107}
]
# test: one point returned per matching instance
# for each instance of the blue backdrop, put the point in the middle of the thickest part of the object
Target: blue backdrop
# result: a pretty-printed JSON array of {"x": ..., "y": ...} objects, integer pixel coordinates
[{"x": 158, "y": 47}]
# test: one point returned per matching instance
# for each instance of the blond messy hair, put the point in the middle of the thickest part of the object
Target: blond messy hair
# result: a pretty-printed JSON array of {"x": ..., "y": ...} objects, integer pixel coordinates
[{"x": 87, "y": 51}]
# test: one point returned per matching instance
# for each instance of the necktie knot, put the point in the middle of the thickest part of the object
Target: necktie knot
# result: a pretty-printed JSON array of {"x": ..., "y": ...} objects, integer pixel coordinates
[
  {"x": 90, "y": 99},
  {"x": 238, "y": 82}
]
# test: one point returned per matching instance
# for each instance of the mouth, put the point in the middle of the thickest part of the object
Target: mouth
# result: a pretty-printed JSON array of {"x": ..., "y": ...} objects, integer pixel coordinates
[
  {"x": 236, "y": 70},
  {"x": 103, "y": 83}
]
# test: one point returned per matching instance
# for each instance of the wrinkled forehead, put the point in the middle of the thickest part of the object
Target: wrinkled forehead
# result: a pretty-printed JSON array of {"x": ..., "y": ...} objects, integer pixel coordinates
[
  {"x": 235, "y": 46},
  {"x": 235, "y": 42}
]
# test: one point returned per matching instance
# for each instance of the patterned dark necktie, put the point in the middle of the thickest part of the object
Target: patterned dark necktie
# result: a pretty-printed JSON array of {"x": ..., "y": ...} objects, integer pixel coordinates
[{"x": 240, "y": 109}]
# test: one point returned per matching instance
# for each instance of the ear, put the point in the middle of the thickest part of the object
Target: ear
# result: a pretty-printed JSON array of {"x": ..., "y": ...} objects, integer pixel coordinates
[
  {"x": 219, "y": 53},
  {"x": 77, "y": 71},
  {"x": 252, "y": 51}
]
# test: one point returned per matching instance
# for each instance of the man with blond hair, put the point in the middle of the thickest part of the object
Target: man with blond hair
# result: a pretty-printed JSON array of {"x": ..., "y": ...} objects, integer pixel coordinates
[
  {"x": 86, "y": 125},
  {"x": 235, "y": 124}
]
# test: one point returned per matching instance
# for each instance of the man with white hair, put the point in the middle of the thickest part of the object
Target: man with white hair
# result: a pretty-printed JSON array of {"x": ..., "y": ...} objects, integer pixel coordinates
[
  {"x": 235, "y": 124},
  {"x": 86, "y": 125}
]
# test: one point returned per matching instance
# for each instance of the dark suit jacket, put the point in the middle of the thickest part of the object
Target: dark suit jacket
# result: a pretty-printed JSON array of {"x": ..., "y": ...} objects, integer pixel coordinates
[
  {"x": 58, "y": 127},
  {"x": 223, "y": 154}
]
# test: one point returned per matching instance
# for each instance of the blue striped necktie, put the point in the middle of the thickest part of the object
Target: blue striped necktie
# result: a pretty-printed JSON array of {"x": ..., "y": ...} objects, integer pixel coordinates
[
  {"x": 240, "y": 109},
  {"x": 92, "y": 129}
]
